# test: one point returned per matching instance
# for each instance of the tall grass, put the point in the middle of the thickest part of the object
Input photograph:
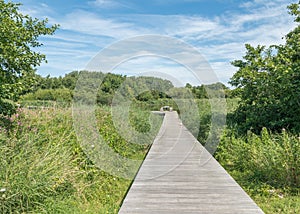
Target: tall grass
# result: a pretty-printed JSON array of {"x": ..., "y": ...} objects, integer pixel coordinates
[
  {"x": 267, "y": 166},
  {"x": 207, "y": 122},
  {"x": 44, "y": 170}
]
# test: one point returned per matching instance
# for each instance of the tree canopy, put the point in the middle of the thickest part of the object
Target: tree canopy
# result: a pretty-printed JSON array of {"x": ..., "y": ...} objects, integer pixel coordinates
[
  {"x": 268, "y": 79},
  {"x": 18, "y": 60}
]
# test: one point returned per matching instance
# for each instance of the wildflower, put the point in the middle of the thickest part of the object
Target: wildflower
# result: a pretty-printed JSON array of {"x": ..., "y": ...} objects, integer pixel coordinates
[{"x": 3, "y": 190}]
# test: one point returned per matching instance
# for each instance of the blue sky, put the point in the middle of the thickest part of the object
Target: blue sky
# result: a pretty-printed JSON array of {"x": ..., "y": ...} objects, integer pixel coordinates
[{"x": 218, "y": 29}]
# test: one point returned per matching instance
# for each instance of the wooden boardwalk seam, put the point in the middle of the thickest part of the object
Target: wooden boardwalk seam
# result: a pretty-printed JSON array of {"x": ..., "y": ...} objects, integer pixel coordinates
[{"x": 180, "y": 176}]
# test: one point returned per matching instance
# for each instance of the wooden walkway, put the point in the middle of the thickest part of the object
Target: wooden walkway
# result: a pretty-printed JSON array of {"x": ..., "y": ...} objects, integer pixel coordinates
[{"x": 180, "y": 176}]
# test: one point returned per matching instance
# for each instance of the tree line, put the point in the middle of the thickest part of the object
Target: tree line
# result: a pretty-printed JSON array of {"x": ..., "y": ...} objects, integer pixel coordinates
[{"x": 143, "y": 89}]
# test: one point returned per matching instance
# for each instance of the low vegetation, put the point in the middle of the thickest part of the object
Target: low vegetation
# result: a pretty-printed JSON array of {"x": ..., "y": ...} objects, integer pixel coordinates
[
  {"x": 261, "y": 146},
  {"x": 45, "y": 170},
  {"x": 267, "y": 166}
]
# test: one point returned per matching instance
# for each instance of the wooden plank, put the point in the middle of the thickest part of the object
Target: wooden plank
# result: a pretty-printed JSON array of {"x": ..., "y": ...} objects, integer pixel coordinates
[{"x": 180, "y": 176}]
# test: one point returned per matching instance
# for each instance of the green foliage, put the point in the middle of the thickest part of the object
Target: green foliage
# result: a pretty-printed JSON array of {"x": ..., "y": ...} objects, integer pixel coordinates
[
  {"x": 48, "y": 82},
  {"x": 205, "y": 120},
  {"x": 108, "y": 87},
  {"x": 111, "y": 83},
  {"x": 268, "y": 81},
  {"x": 12, "y": 124},
  {"x": 7, "y": 107},
  {"x": 44, "y": 170},
  {"x": 271, "y": 158},
  {"x": 152, "y": 95},
  {"x": 18, "y": 35},
  {"x": 70, "y": 79},
  {"x": 34, "y": 160},
  {"x": 61, "y": 94},
  {"x": 278, "y": 201},
  {"x": 140, "y": 121},
  {"x": 200, "y": 123},
  {"x": 214, "y": 90},
  {"x": 267, "y": 166},
  {"x": 270, "y": 199},
  {"x": 100, "y": 88}
]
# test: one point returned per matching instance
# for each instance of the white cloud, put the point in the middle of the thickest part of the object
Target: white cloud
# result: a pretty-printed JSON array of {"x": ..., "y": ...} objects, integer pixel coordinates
[
  {"x": 259, "y": 3},
  {"x": 220, "y": 39},
  {"x": 92, "y": 24},
  {"x": 38, "y": 10},
  {"x": 105, "y": 3}
]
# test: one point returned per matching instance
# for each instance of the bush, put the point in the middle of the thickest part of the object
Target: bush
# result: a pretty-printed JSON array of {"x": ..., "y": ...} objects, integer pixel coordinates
[
  {"x": 7, "y": 107},
  {"x": 270, "y": 158},
  {"x": 61, "y": 94},
  {"x": 268, "y": 83},
  {"x": 44, "y": 169}
]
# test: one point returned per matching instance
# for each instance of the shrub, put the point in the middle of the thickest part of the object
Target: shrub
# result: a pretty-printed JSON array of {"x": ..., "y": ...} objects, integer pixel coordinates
[
  {"x": 44, "y": 169},
  {"x": 270, "y": 158},
  {"x": 61, "y": 94},
  {"x": 7, "y": 107}
]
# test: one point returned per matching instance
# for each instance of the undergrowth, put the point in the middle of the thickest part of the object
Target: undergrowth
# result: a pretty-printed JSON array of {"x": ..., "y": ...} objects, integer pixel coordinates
[
  {"x": 44, "y": 170},
  {"x": 267, "y": 166}
]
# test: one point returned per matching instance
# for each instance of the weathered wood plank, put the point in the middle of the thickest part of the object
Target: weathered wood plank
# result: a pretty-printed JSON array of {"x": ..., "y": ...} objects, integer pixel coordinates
[{"x": 180, "y": 176}]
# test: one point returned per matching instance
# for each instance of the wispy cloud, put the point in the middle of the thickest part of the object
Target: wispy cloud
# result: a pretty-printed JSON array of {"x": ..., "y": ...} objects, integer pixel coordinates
[
  {"x": 259, "y": 3},
  {"x": 39, "y": 10},
  {"x": 92, "y": 24},
  {"x": 220, "y": 38},
  {"x": 107, "y": 4}
]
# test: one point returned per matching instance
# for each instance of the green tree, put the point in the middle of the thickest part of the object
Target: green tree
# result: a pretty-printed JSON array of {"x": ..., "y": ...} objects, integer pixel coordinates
[
  {"x": 18, "y": 36},
  {"x": 70, "y": 80},
  {"x": 268, "y": 80}
]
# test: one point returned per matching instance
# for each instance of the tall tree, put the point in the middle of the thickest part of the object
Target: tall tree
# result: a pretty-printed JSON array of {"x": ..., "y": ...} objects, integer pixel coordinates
[
  {"x": 269, "y": 82},
  {"x": 18, "y": 36}
]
